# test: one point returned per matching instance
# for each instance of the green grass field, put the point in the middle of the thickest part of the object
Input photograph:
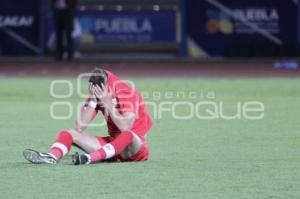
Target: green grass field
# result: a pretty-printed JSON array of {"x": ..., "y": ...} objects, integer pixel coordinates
[{"x": 192, "y": 158}]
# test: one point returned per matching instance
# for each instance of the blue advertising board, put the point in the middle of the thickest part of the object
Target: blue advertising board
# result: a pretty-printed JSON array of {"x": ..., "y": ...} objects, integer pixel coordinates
[
  {"x": 128, "y": 26},
  {"x": 20, "y": 27},
  {"x": 124, "y": 26},
  {"x": 213, "y": 25}
]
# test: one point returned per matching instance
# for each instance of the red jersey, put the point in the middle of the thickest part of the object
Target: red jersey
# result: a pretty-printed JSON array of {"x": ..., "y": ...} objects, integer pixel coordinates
[{"x": 126, "y": 99}]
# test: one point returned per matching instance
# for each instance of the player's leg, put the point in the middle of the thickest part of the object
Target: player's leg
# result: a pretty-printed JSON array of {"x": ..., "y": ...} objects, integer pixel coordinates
[
  {"x": 67, "y": 137},
  {"x": 125, "y": 144},
  {"x": 133, "y": 148},
  {"x": 62, "y": 146},
  {"x": 142, "y": 154},
  {"x": 138, "y": 150},
  {"x": 86, "y": 142}
]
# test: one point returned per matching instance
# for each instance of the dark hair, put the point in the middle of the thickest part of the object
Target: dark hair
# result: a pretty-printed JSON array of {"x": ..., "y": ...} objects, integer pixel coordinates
[{"x": 98, "y": 77}]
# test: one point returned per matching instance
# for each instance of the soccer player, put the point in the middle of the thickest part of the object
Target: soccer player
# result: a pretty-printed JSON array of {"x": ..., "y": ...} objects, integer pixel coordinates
[{"x": 127, "y": 120}]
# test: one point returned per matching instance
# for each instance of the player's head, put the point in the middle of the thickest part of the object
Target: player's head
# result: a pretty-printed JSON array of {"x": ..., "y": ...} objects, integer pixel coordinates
[{"x": 98, "y": 77}]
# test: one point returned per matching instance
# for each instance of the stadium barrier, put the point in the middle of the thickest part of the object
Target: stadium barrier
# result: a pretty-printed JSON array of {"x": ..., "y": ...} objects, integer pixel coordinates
[
  {"x": 242, "y": 28},
  {"x": 22, "y": 27},
  {"x": 218, "y": 28},
  {"x": 129, "y": 26}
]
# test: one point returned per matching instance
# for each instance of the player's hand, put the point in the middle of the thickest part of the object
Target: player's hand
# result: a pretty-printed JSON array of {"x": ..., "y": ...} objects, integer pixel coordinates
[
  {"x": 92, "y": 92},
  {"x": 104, "y": 94},
  {"x": 91, "y": 89}
]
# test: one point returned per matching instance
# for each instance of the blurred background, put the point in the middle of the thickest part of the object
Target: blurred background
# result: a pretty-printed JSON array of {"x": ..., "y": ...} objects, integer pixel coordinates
[{"x": 169, "y": 29}]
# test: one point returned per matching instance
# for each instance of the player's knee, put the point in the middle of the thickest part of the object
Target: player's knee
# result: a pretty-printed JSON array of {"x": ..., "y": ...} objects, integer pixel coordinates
[
  {"x": 74, "y": 133},
  {"x": 135, "y": 144},
  {"x": 136, "y": 140},
  {"x": 70, "y": 131}
]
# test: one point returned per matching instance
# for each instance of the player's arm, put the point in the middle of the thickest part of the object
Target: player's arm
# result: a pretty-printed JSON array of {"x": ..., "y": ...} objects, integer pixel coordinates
[
  {"x": 87, "y": 113},
  {"x": 124, "y": 121}
]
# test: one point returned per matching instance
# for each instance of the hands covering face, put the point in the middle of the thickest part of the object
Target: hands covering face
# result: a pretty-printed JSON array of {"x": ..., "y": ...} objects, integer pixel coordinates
[{"x": 103, "y": 94}]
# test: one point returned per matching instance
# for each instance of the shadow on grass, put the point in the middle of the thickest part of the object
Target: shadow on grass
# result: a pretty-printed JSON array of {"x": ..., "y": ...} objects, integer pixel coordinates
[{"x": 25, "y": 164}]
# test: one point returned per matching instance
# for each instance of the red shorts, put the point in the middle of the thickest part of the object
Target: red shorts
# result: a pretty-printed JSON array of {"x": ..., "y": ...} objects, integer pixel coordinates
[{"x": 141, "y": 155}]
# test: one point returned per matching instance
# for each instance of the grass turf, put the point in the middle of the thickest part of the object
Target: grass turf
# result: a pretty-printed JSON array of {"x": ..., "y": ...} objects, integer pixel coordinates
[{"x": 189, "y": 158}]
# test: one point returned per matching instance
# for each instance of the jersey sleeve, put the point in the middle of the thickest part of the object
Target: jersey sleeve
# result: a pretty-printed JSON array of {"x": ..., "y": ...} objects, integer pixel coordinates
[{"x": 128, "y": 101}]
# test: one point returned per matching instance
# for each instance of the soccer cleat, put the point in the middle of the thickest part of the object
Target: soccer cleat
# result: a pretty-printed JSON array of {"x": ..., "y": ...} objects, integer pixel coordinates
[
  {"x": 36, "y": 157},
  {"x": 78, "y": 159}
]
